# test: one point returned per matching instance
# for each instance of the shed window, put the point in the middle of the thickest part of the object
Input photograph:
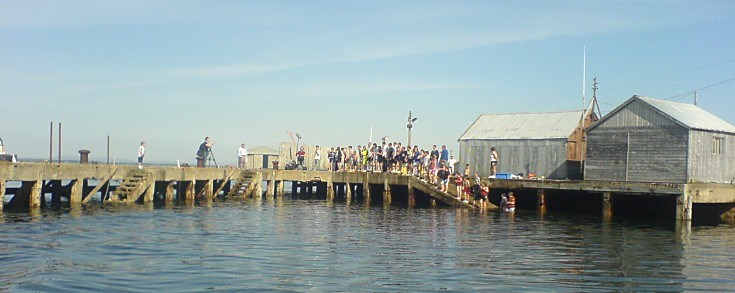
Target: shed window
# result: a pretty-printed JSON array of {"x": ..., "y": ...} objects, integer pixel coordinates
[{"x": 718, "y": 145}]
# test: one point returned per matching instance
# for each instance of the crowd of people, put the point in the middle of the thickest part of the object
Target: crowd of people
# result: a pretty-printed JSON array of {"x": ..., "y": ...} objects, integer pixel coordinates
[{"x": 436, "y": 166}]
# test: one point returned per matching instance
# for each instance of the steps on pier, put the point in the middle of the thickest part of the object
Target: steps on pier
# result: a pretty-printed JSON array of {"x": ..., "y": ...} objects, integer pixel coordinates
[
  {"x": 244, "y": 185},
  {"x": 133, "y": 186}
]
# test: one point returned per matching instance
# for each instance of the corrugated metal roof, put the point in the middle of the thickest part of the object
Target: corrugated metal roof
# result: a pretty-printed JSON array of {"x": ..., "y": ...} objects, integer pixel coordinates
[
  {"x": 524, "y": 126},
  {"x": 689, "y": 115}
]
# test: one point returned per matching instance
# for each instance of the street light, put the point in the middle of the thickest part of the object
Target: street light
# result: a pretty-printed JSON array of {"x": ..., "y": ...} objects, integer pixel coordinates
[{"x": 411, "y": 120}]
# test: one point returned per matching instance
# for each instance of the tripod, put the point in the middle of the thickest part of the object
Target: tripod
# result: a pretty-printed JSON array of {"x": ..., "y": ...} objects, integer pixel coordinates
[{"x": 211, "y": 158}]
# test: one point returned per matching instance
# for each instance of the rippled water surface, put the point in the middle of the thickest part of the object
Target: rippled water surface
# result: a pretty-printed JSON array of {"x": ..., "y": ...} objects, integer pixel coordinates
[{"x": 313, "y": 246}]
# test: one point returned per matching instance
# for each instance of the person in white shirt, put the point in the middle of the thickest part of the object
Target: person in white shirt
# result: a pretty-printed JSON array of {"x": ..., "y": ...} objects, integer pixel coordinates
[
  {"x": 141, "y": 154},
  {"x": 317, "y": 158},
  {"x": 242, "y": 156},
  {"x": 451, "y": 164}
]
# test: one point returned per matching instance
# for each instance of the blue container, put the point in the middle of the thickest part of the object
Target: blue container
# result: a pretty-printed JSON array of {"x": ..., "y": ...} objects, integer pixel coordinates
[{"x": 503, "y": 175}]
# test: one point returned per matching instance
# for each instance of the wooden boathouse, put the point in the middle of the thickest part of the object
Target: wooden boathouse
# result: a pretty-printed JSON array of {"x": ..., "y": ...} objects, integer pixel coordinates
[
  {"x": 651, "y": 140},
  {"x": 81, "y": 184}
]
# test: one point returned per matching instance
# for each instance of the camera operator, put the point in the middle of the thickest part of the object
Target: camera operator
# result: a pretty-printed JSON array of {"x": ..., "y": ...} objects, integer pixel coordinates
[{"x": 204, "y": 150}]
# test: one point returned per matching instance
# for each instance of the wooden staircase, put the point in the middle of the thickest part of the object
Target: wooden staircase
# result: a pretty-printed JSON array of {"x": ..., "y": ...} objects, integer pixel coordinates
[
  {"x": 135, "y": 184},
  {"x": 245, "y": 185}
]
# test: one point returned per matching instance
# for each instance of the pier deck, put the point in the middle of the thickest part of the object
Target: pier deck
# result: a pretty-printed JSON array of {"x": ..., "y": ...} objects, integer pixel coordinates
[{"x": 74, "y": 183}]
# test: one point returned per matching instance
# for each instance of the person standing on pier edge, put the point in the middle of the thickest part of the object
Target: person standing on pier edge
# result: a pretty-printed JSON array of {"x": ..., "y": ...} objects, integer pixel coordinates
[
  {"x": 300, "y": 157},
  {"x": 242, "y": 156},
  {"x": 317, "y": 158},
  {"x": 141, "y": 154},
  {"x": 203, "y": 152}
]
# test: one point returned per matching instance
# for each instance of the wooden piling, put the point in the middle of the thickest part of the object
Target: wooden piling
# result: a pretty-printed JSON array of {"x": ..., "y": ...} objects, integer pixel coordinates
[
  {"x": 411, "y": 195},
  {"x": 684, "y": 205},
  {"x": 169, "y": 193},
  {"x": 607, "y": 205},
  {"x": 348, "y": 193},
  {"x": 387, "y": 197},
  {"x": 2, "y": 194},
  {"x": 77, "y": 186},
  {"x": 330, "y": 190},
  {"x": 541, "y": 200},
  {"x": 270, "y": 192}
]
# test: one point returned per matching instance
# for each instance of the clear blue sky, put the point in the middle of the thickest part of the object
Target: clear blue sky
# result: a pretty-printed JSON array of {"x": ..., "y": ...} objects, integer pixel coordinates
[{"x": 172, "y": 72}]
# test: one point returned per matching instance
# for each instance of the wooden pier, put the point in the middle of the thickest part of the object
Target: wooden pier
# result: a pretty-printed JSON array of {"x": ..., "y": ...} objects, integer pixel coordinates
[{"x": 76, "y": 184}]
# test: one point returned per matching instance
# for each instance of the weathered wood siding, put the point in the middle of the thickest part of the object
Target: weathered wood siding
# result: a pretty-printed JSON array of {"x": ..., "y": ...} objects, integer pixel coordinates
[
  {"x": 545, "y": 157},
  {"x": 707, "y": 166},
  {"x": 637, "y": 144}
]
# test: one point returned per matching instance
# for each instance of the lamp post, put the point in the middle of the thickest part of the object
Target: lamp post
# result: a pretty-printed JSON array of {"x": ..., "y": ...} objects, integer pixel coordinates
[{"x": 411, "y": 120}]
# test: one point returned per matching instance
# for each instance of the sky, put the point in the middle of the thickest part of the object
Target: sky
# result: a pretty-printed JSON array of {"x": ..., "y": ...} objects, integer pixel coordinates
[{"x": 172, "y": 72}]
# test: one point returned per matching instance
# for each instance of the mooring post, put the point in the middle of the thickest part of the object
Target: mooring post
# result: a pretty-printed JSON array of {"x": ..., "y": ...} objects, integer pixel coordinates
[
  {"x": 77, "y": 186},
  {"x": 607, "y": 206},
  {"x": 541, "y": 200},
  {"x": 684, "y": 205},
  {"x": 387, "y": 198}
]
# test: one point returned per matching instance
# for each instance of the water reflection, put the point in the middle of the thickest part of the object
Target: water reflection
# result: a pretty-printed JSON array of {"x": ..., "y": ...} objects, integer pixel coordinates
[{"x": 312, "y": 245}]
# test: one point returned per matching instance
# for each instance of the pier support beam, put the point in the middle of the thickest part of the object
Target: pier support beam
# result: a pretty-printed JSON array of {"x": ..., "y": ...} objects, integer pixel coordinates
[
  {"x": 77, "y": 186},
  {"x": 541, "y": 200},
  {"x": 294, "y": 189},
  {"x": 2, "y": 194},
  {"x": 330, "y": 191},
  {"x": 169, "y": 192},
  {"x": 366, "y": 192},
  {"x": 348, "y": 193},
  {"x": 270, "y": 192},
  {"x": 684, "y": 206},
  {"x": 387, "y": 197},
  {"x": 185, "y": 191},
  {"x": 149, "y": 191},
  {"x": 281, "y": 187},
  {"x": 411, "y": 195},
  {"x": 607, "y": 206}
]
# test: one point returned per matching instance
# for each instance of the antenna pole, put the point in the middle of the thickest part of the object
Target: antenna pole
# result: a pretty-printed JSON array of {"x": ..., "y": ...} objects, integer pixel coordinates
[
  {"x": 695, "y": 98},
  {"x": 584, "y": 76}
]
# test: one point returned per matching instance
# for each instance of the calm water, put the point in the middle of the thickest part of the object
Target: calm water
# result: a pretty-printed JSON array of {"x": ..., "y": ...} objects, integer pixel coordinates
[{"x": 312, "y": 246}]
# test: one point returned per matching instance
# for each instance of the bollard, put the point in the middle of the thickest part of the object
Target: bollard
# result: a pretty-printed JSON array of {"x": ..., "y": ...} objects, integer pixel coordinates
[{"x": 84, "y": 156}]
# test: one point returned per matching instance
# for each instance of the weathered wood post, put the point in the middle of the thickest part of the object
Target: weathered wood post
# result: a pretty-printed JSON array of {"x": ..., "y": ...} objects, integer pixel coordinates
[
  {"x": 541, "y": 200},
  {"x": 281, "y": 187},
  {"x": 186, "y": 190},
  {"x": 411, "y": 196},
  {"x": 270, "y": 192},
  {"x": 2, "y": 194},
  {"x": 684, "y": 205},
  {"x": 169, "y": 193},
  {"x": 56, "y": 192},
  {"x": 149, "y": 191},
  {"x": 77, "y": 186},
  {"x": 348, "y": 194},
  {"x": 607, "y": 205},
  {"x": 294, "y": 188},
  {"x": 366, "y": 191},
  {"x": 330, "y": 190},
  {"x": 35, "y": 193},
  {"x": 387, "y": 197}
]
